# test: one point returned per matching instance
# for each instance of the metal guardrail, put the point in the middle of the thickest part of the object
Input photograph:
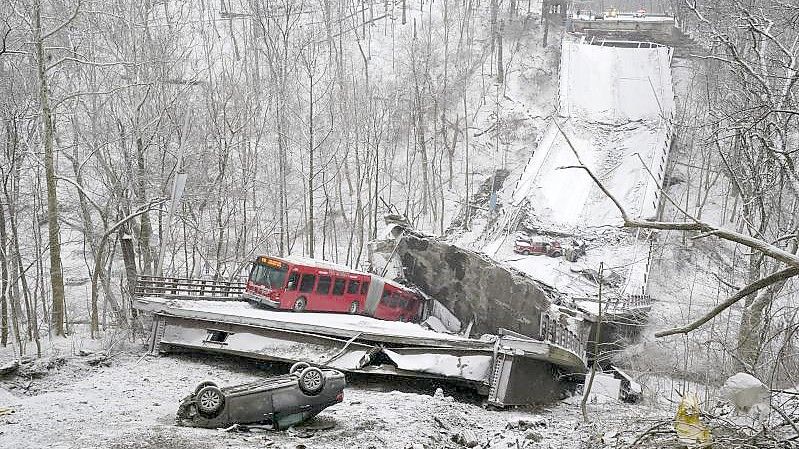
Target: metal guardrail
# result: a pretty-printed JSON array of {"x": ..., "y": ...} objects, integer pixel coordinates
[
  {"x": 558, "y": 333},
  {"x": 187, "y": 288}
]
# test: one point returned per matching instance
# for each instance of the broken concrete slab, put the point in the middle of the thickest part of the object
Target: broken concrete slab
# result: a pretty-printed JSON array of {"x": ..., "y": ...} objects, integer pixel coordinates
[
  {"x": 475, "y": 288},
  {"x": 604, "y": 389}
]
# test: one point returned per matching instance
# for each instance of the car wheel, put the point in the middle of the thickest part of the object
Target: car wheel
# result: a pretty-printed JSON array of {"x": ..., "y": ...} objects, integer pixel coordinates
[
  {"x": 526, "y": 252},
  {"x": 298, "y": 367},
  {"x": 353, "y": 307},
  {"x": 203, "y": 384},
  {"x": 300, "y": 304},
  {"x": 210, "y": 401},
  {"x": 311, "y": 381}
]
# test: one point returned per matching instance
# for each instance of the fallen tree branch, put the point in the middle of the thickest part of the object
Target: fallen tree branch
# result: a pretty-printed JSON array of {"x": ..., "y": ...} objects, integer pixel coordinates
[
  {"x": 722, "y": 233},
  {"x": 742, "y": 293},
  {"x": 649, "y": 431},
  {"x": 591, "y": 174}
]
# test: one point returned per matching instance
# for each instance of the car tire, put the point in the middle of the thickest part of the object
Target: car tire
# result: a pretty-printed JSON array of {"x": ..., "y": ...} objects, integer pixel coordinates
[
  {"x": 210, "y": 401},
  {"x": 311, "y": 381},
  {"x": 526, "y": 252},
  {"x": 353, "y": 308},
  {"x": 203, "y": 384},
  {"x": 300, "y": 304},
  {"x": 298, "y": 367}
]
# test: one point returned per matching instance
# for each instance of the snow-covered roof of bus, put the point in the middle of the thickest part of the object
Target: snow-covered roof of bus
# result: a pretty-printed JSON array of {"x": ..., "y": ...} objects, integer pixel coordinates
[
  {"x": 318, "y": 263},
  {"x": 331, "y": 266}
]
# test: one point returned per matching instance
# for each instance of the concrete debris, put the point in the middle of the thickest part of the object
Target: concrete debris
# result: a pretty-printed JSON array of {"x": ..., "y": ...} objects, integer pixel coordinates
[
  {"x": 466, "y": 438},
  {"x": 98, "y": 360},
  {"x": 746, "y": 393},
  {"x": 9, "y": 368},
  {"x": 435, "y": 325},
  {"x": 609, "y": 438},
  {"x": 631, "y": 391},
  {"x": 441, "y": 423},
  {"x": 525, "y": 424},
  {"x": 534, "y": 436}
]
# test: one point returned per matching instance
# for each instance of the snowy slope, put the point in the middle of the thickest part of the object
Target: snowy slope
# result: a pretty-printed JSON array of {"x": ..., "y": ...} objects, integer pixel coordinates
[
  {"x": 614, "y": 108},
  {"x": 568, "y": 197},
  {"x": 610, "y": 128}
]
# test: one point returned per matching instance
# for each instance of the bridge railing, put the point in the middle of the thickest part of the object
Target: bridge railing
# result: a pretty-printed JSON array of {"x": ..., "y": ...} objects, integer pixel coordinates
[
  {"x": 187, "y": 288},
  {"x": 558, "y": 333}
]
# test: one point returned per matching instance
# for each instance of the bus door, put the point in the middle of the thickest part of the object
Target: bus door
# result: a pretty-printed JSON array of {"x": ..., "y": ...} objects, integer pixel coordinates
[
  {"x": 373, "y": 295},
  {"x": 336, "y": 300},
  {"x": 353, "y": 299}
]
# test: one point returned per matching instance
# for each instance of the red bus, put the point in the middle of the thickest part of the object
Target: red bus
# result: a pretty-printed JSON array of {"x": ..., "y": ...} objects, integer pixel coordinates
[{"x": 301, "y": 284}]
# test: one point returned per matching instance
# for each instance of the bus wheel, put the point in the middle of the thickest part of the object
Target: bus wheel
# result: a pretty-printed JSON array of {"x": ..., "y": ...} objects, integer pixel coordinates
[
  {"x": 354, "y": 307},
  {"x": 299, "y": 304}
]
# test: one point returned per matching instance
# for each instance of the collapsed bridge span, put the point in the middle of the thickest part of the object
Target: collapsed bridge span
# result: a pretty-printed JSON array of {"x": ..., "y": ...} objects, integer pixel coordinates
[{"x": 509, "y": 368}]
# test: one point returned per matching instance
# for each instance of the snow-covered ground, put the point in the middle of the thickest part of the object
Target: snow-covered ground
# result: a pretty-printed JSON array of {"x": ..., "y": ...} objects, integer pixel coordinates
[{"x": 132, "y": 404}]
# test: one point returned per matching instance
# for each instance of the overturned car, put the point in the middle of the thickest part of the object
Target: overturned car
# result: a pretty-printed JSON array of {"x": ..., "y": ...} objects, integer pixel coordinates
[{"x": 278, "y": 402}]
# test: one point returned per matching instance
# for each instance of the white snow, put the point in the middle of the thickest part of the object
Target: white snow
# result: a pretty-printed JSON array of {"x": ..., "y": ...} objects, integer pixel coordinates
[
  {"x": 615, "y": 85},
  {"x": 132, "y": 404},
  {"x": 746, "y": 392}
]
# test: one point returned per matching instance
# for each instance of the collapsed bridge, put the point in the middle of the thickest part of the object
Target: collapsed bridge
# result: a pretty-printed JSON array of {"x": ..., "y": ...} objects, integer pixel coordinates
[{"x": 509, "y": 368}]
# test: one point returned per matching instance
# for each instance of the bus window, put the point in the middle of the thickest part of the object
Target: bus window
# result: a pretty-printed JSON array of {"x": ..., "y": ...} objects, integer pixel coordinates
[
  {"x": 364, "y": 288},
  {"x": 292, "y": 284},
  {"x": 338, "y": 286},
  {"x": 268, "y": 276},
  {"x": 323, "y": 286},
  {"x": 352, "y": 287},
  {"x": 306, "y": 283}
]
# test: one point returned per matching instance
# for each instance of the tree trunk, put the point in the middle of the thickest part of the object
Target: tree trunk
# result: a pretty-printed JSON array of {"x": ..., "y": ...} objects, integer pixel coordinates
[
  {"x": 30, "y": 313},
  {"x": 129, "y": 258},
  {"x": 146, "y": 229},
  {"x": 53, "y": 234},
  {"x": 4, "y": 268},
  {"x": 311, "y": 236},
  {"x": 500, "y": 63}
]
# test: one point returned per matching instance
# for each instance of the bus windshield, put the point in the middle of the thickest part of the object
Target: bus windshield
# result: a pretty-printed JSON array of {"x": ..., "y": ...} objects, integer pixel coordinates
[{"x": 269, "y": 276}]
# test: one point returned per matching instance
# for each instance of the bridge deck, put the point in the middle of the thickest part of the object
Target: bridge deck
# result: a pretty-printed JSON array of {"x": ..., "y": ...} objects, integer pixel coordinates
[
  {"x": 331, "y": 324},
  {"x": 506, "y": 363}
]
